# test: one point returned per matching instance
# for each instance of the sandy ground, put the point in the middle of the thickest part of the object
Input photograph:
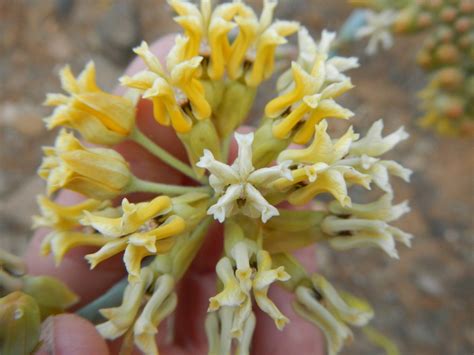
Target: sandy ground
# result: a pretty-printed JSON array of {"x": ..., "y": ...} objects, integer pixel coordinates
[{"x": 424, "y": 301}]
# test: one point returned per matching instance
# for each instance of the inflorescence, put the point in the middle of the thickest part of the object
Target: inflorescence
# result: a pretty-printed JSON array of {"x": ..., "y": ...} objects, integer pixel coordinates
[{"x": 205, "y": 92}]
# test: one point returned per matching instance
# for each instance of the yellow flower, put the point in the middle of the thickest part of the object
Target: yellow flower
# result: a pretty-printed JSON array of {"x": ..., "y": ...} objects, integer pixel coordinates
[
  {"x": 60, "y": 242},
  {"x": 141, "y": 230},
  {"x": 319, "y": 168},
  {"x": 255, "y": 44},
  {"x": 100, "y": 117},
  {"x": 61, "y": 217},
  {"x": 207, "y": 31},
  {"x": 310, "y": 96},
  {"x": 95, "y": 172},
  {"x": 171, "y": 93}
]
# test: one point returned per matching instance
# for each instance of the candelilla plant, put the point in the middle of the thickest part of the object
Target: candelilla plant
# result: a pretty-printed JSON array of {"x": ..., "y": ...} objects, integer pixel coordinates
[
  {"x": 447, "y": 54},
  {"x": 205, "y": 92}
]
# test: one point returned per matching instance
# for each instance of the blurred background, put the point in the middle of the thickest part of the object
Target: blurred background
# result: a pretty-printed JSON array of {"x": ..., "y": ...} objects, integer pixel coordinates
[{"x": 424, "y": 301}]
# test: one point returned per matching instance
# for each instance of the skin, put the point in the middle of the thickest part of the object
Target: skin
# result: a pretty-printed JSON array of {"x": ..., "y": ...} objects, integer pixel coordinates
[{"x": 71, "y": 335}]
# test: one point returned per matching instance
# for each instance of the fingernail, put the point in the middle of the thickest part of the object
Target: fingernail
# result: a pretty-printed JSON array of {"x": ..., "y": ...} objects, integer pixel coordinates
[{"x": 68, "y": 334}]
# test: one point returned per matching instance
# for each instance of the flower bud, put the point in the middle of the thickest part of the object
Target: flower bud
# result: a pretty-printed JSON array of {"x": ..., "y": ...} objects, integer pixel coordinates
[
  {"x": 95, "y": 172},
  {"x": 19, "y": 324},
  {"x": 447, "y": 54},
  {"x": 266, "y": 146},
  {"x": 203, "y": 135},
  {"x": 101, "y": 118},
  {"x": 450, "y": 78},
  {"x": 51, "y": 295},
  {"x": 235, "y": 106}
]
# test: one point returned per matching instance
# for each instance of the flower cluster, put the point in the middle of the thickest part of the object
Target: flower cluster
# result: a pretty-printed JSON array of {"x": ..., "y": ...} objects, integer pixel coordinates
[
  {"x": 205, "y": 92},
  {"x": 446, "y": 55}
]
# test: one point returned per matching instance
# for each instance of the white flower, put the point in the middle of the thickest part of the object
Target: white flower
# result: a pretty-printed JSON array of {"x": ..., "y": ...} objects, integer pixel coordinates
[
  {"x": 378, "y": 29},
  {"x": 239, "y": 185}
]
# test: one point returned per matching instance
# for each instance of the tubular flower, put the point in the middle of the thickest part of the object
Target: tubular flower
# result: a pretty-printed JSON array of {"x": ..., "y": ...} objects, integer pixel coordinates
[
  {"x": 366, "y": 225},
  {"x": 233, "y": 305},
  {"x": 95, "y": 172},
  {"x": 99, "y": 117},
  {"x": 141, "y": 312},
  {"x": 141, "y": 230},
  {"x": 323, "y": 306},
  {"x": 239, "y": 185},
  {"x": 309, "y": 96},
  {"x": 171, "y": 93},
  {"x": 254, "y": 45}
]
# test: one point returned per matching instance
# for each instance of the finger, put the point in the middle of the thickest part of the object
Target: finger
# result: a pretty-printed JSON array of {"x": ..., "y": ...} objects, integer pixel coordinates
[
  {"x": 298, "y": 336},
  {"x": 68, "y": 334}
]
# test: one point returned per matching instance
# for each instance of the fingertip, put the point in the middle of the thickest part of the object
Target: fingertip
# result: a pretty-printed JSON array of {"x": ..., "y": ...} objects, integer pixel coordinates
[{"x": 68, "y": 334}]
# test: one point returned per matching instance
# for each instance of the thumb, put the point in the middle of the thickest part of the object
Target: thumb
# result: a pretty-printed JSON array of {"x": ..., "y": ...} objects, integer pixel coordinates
[{"x": 68, "y": 334}]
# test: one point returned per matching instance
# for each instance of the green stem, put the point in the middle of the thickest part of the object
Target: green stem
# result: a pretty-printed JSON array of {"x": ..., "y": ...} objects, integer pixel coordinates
[
  {"x": 138, "y": 137},
  {"x": 138, "y": 185},
  {"x": 226, "y": 148},
  {"x": 112, "y": 298}
]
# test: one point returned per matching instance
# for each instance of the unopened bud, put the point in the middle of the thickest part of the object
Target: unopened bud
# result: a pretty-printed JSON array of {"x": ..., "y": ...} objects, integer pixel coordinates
[
  {"x": 463, "y": 24},
  {"x": 265, "y": 146},
  {"x": 235, "y": 106},
  {"x": 448, "y": 14},
  {"x": 424, "y": 59},
  {"x": 450, "y": 106},
  {"x": 424, "y": 20},
  {"x": 405, "y": 21},
  {"x": 19, "y": 324},
  {"x": 51, "y": 295},
  {"x": 203, "y": 135},
  {"x": 450, "y": 78},
  {"x": 447, "y": 54}
]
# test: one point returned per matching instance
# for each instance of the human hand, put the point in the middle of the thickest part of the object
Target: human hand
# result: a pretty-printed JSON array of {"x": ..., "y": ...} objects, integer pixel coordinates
[{"x": 71, "y": 335}]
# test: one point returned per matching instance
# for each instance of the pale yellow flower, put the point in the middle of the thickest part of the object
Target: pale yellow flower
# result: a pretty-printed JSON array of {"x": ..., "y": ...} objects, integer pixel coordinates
[
  {"x": 141, "y": 230},
  {"x": 172, "y": 91},
  {"x": 100, "y": 117},
  {"x": 234, "y": 303},
  {"x": 365, "y": 225},
  {"x": 309, "y": 97},
  {"x": 120, "y": 319},
  {"x": 323, "y": 306},
  {"x": 95, "y": 172}
]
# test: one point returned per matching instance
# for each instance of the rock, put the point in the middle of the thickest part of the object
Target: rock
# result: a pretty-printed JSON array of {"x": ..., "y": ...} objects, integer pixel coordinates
[
  {"x": 23, "y": 117},
  {"x": 119, "y": 31}
]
